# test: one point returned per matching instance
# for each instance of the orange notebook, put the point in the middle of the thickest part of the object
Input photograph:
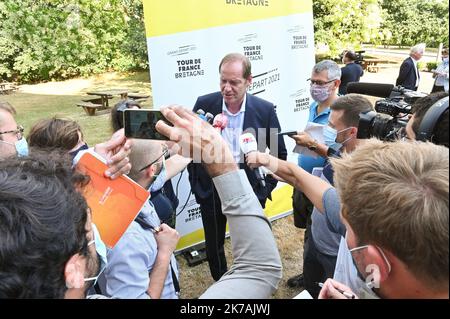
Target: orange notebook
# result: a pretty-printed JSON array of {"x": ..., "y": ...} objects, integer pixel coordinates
[{"x": 114, "y": 203}]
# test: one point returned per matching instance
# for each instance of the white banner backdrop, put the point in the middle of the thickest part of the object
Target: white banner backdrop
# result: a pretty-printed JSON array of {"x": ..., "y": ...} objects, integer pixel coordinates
[{"x": 184, "y": 63}]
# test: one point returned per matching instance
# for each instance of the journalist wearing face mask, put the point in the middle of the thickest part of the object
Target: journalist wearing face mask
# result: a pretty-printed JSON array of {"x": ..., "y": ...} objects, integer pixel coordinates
[
  {"x": 441, "y": 74},
  {"x": 61, "y": 251},
  {"x": 20, "y": 145},
  {"x": 12, "y": 142},
  {"x": 140, "y": 256},
  {"x": 322, "y": 91},
  {"x": 163, "y": 205},
  {"x": 341, "y": 132},
  {"x": 331, "y": 135}
]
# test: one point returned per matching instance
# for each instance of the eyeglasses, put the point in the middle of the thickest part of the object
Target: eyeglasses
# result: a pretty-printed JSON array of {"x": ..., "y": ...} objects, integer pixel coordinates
[
  {"x": 319, "y": 83},
  {"x": 165, "y": 154},
  {"x": 379, "y": 249},
  {"x": 18, "y": 132}
]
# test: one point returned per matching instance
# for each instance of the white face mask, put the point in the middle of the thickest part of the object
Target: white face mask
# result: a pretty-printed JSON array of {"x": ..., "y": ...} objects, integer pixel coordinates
[
  {"x": 101, "y": 250},
  {"x": 160, "y": 178},
  {"x": 347, "y": 274}
]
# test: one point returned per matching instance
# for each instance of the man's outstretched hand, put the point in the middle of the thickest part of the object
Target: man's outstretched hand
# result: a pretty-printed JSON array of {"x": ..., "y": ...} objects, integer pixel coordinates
[{"x": 198, "y": 140}]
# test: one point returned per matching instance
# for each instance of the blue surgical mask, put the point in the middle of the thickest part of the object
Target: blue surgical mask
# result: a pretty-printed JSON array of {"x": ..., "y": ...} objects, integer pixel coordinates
[
  {"x": 320, "y": 93},
  {"x": 330, "y": 135},
  {"x": 160, "y": 178},
  {"x": 100, "y": 247},
  {"x": 21, "y": 147}
]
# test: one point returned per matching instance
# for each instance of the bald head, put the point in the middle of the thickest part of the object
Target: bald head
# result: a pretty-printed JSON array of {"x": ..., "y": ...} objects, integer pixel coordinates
[{"x": 143, "y": 153}]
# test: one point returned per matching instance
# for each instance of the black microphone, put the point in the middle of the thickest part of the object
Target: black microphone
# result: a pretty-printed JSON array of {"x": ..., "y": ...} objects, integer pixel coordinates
[{"x": 373, "y": 89}]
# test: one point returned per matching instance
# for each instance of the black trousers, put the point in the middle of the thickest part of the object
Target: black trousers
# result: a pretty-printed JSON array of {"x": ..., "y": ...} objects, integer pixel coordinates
[
  {"x": 317, "y": 267},
  {"x": 214, "y": 226}
]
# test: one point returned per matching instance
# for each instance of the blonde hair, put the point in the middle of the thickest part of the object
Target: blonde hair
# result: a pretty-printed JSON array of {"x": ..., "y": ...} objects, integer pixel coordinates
[{"x": 395, "y": 195}]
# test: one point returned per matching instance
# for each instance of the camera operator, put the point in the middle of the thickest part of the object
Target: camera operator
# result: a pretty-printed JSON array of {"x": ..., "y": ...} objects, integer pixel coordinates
[
  {"x": 419, "y": 109},
  {"x": 351, "y": 72}
]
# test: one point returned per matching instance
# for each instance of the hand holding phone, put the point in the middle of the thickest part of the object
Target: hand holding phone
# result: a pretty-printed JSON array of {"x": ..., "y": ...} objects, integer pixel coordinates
[{"x": 139, "y": 123}]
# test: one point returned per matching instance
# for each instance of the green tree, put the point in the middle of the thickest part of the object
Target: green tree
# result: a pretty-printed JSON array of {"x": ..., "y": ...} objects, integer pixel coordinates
[
  {"x": 46, "y": 39},
  {"x": 415, "y": 21},
  {"x": 346, "y": 24}
]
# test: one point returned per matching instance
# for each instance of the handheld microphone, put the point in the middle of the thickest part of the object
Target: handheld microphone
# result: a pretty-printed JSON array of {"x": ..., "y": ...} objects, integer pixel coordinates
[
  {"x": 220, "y": 122},
  {"x": 248, "y": 144},
  {"x": 209, "y": 117},
  {"x": 201, "y": 114},
  {"x": 372, "y": 89}
]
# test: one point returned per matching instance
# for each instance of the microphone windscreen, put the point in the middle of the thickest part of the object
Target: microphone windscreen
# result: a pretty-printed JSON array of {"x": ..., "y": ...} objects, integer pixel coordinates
[
  {"x": 220, "y": 121},
  {"x": 248, "y": 143}
]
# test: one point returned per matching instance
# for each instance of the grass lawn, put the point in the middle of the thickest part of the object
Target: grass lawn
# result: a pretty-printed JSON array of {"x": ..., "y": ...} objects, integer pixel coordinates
[{"x": 60, "y": 98}]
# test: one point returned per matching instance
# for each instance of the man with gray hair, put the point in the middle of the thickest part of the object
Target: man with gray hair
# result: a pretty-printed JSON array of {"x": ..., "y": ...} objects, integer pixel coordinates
[
  {"x": 12, "y": 142},
  {"x": 409, "y": 76},
  {"x": 325, "y": 81}
]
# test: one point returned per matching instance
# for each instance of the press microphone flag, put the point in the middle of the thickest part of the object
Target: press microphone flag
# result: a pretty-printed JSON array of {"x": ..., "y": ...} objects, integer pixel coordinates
[
  {"x": 248, "y": 144},
  {"x": 220, "y": 121}
]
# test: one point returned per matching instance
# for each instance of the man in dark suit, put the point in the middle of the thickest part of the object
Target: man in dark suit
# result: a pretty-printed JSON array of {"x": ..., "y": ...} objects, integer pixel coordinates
[
  {"x": 409, "y": 76},
  {"x": 245, "y": 113}
]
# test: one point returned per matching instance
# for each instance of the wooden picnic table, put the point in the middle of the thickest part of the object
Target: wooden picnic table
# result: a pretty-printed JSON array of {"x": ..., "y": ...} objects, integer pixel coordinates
[
  {"x": 108, "y": 94},
  {"x": 6, "y": 87},
  {"x": 102, "y": 101},
  {"x": 374, "y": 65},
  {"x": 138, "y": 97}
]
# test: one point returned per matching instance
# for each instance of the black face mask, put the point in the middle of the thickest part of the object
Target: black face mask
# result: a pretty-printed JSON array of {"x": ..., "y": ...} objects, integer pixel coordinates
[{"x": 83, "y": 147}]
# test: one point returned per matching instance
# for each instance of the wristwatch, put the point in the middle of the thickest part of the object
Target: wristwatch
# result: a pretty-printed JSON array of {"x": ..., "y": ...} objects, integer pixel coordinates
[{"x": 313, "y": 146}]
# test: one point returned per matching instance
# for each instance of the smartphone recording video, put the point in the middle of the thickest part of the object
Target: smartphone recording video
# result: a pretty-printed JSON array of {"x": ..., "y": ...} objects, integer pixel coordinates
[{"x": 141, "y": 124}]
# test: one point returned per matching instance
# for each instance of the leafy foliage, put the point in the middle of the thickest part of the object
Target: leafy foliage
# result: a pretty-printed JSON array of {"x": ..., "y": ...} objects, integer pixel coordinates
[
  {"x": 415, "y": 21},
  {"x": 431, "y": 66},
  {"x": 344, "y": 24},
  {"x": 49, "y": 39}
]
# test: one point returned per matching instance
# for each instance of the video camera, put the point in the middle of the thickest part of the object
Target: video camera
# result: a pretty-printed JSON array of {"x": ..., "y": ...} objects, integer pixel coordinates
[
  {"x": 359, "y": 56},
  {"x": 391, "y": 116}
]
